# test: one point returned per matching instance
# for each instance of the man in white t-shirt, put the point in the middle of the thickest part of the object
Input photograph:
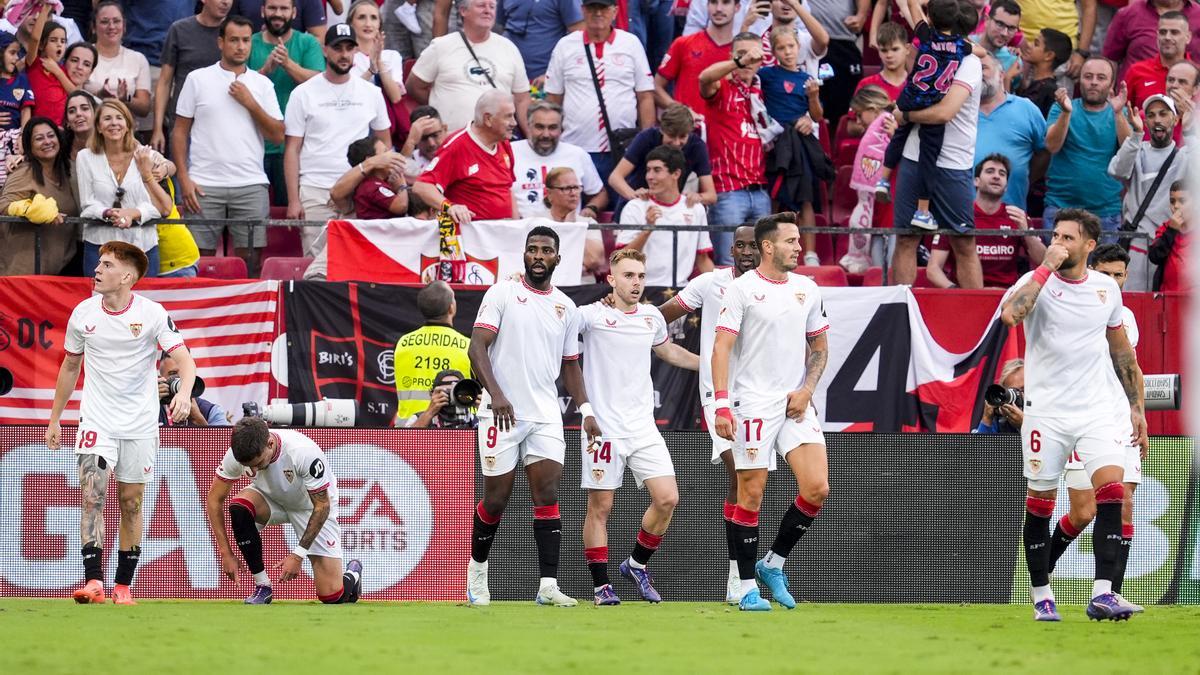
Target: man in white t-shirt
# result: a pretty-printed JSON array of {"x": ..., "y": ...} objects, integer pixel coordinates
[
  {"x": 1112, "y": 261},
  {"x": 118, "y": 336},
  {"x": 951, "y": 186},
  {"x": 625, "y": 80},
  {"x": 545, "y": 150},
  {"x": 324, "y": 116},
  {"x": 617, "y": 342},
  {"x": 457, "y": 67},
  {"x": 670, "y": 255},
  {"x": 763, "y": 389},
  {"x": 222, "y": 115},
  {"x": 705, "y": 294},
  {"x": 526, "y": 335},
  {"x": 1075, "y": 404},
  {"x": 291, "y": 482}
]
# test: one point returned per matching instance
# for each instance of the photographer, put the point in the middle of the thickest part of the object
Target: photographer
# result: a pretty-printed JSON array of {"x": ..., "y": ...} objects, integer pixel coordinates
[
  {"x": 428, "y": 351},
  {"x": 203, "y": 413},
  {"x": 1006, "y": 418},
  {"x": 440, "y": 414}
]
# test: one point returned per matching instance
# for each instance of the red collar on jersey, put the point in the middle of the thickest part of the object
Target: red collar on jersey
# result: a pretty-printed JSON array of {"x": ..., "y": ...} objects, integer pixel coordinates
[
  {"x": 531, "y": 288},
  {"x": 278, "y": 448},
  {"x": 632, "y": 311},
  {"x": 1072, "y": 281},
  {"x": 769, "y": 281},
  {"x": 112, "y": 313},
  {"x": 652, "y": 198}
]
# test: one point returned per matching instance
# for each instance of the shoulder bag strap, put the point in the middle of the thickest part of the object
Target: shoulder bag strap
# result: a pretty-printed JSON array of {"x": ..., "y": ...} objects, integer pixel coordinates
[{"x": 471, "y": 49}]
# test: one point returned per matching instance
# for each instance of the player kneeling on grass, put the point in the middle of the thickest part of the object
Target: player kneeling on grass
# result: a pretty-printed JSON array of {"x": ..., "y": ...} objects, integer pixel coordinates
[
  {"x": 117, "y": 335},
  {"x": 617, "y": 342},
  {"x": 1074, "y": 406},
  {"x": 764, "y": 399},
  {"x": 291, "y": 482}
]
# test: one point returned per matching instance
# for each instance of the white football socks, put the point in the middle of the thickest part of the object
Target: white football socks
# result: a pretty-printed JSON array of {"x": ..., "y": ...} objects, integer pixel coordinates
[
  {"x": 774, "y": 560},
  {"x": 1100, "y": 587},
  {"x": 262, "y": 579},
  {"x": 1041, "y": 593}
]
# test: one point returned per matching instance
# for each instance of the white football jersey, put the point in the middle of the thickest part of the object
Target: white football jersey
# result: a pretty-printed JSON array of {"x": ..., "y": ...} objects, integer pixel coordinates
[
  {"x": 616, "y": 366},
  {"x": 706, "y": 293},
  {"x": 298, "y": 468},
  {"x": 1131, "y": 327},
  {"x": 769, "y": 358},
  {"x": 120, "y": 352},
  {"x": 1068, "y": 370},
  {"x": 535, "y": 332},
  {"x": 659, "y": 246}
]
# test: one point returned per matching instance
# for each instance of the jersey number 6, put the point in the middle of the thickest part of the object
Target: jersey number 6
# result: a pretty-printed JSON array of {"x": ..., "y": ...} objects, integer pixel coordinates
[{"x": 1035, "y": 441}]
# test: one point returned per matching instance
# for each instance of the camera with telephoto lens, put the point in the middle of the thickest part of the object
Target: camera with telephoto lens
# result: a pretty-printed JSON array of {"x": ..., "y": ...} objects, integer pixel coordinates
[
  {"x": 998, "y": 395},
  {"x": 173, "y": 388},
  {"x": 464, "y": 397},
  {"x": 329, "y": 412}
]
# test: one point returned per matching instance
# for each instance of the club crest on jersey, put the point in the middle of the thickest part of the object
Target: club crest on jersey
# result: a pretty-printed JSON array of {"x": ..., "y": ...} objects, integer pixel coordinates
[
  {"x": 801, "y": 297},
  {"x": 649, "y": 323},
  {"x": 1035, "y": 466},
  {"x": 597, "y": 475},
  {"x": 136, "y": 329},
  {"x": 560, "y": 310},
  {"x": 289, "y": 474},
  {"x": 1103, "y": 295}
]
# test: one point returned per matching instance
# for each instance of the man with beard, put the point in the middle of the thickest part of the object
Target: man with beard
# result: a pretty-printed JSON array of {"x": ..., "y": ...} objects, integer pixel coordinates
[
  {"x": 1002, "y": 24},
  {"x": 1084, "y": 135},
  {"x": 472, "y": 175},
  {"x": 1149, "y": 77},
  {"x": 1014, "y": 127},
  {"x": 289, "y": 58},
  {"x": 706, "y": 293},
  {"x": 1141, "y": 165},
  {"x": 324, "y": 116},
  {"x": 544, "y": 150},
  {"x": 757, "y": 371},
  {"x": 1073, "y": 405},
  {"x": 526, "y": 334},
  {"x": 1183, "y": 79},
  {"x": 223, "y": 114}
]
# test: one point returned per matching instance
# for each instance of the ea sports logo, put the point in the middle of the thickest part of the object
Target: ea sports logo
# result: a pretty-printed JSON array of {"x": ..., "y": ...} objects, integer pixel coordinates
[{"x": 384, "y": 510}]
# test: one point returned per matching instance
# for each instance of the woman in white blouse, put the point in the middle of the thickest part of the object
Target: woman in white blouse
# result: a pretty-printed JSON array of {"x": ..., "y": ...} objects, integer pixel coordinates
[
  {"x": 120, "y": 73},
  {"x": 382, "y": 67},
  {"x": 117, "y": 184}
]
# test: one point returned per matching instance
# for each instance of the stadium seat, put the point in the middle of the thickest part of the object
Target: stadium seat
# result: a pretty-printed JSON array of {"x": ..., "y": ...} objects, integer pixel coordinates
[
  {"x": 1036, "y": 223},
  {"x": 825, "y": 275},
  {"x": 845, "y": 198},
  {"x": 873, "y": 277},
  {"x": 873, "y": 69},
  {"x": 922, "y": 280},
  {"x": 222, "y": 267},
  {"x": 826, "y": 137},
  {"x": 284, "y": 269},
  {"x": 824, "y": 247},
  {"x": 282, "y": 242},
  {"x": 604, "y": 217}
]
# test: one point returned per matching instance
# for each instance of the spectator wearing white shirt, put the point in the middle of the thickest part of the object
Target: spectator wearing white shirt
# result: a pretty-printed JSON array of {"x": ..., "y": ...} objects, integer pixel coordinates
[
  {"x": 120, "y": 72},
  {"x": 116, "y": 179},
  {"x": 456, "y": 68},
  {"x": 324, "y": 116},
  {"x": 667, "y": 264},
  {"x": 223, "y": 115},
  {"x": 382, "y": 67},
  {"x": 625, "y": 80},
  {"x": 544, "y": 150}
]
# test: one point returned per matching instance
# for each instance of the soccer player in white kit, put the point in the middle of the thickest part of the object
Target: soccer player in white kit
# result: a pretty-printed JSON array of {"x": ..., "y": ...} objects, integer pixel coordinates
[
  {"x": 291, "y": 482},
  {"x": 706, "y": 293},
  {"x": 526, "y": 334},
  {"x": 118, "y": 335},
  {"x": 1112, "y": 261},
  {"x": 764, "y": 386},
  {"x": 1073, "y": 327},
  {"x": 617, "y": 342}
]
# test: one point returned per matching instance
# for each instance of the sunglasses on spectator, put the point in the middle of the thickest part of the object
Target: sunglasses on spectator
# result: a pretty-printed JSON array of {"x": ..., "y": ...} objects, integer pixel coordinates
[{"x": 119, "y": 196}]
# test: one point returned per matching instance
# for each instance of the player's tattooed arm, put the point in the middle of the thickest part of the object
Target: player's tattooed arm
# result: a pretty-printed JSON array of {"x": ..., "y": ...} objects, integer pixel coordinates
[
  {"x": 1020, "y": 303},
  {"x": 818, "y": 358},
  {"x": 320, "y": 513},
  {"x": 93, "y": 486},
  {"x": 1129, "y": 373}
]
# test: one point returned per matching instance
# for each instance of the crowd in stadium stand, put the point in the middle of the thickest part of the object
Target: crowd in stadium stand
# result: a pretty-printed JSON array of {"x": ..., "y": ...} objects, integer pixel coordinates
[{"x": 713, "y": 112}]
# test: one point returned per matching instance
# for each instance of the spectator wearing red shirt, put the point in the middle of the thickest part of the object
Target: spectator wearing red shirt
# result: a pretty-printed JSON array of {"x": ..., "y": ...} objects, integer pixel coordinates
[
  {"x": 689, "y": 55},
  {"x": 892, "y": 39},
  {"x": 736, "y": 117},
  {"x": 1149, "y": 77},
  {"x": 999, "y": 256},
  {"x": 1133, "y": 35},
  {"x": 472, "y": 175},
  {"x": 382, "y": 194},
  {"x": 1169, "y": 250}
]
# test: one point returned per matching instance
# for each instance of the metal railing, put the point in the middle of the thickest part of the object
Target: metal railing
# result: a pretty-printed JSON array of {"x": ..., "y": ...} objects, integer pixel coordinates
[{"x": 266, "y": 223}]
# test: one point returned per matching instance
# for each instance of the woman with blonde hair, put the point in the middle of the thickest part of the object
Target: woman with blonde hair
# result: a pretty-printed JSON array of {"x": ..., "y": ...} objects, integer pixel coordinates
[
  {"x": 382, "y": 67},
  {"x": 118, "y": 183}
]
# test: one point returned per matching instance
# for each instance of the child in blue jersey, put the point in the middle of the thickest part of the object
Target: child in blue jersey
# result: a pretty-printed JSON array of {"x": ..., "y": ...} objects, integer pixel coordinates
[
  {"x": 788, "y": 92},
  {"x": 942, "y": 45},
  {"x": 16, "y": 100}
]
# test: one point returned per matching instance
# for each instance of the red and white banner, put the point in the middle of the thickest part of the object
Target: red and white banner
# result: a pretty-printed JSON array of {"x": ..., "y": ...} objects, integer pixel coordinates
[
  {"x": 227, "y": 325},
  {"x": 405, "y": 505},
  {"x": 406, "y": 250}
]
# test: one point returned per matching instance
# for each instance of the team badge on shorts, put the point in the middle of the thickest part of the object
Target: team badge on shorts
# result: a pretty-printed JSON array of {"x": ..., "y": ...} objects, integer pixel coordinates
[
  {"x": 752, "y": 453},
  {"x": 597, "y": 475},
  {"x": 801, "y": 297},
  {"x": 1102, "y": 294},
  {"x": 560, "y": 310},
  {"x": 490, "y": 461},
  {"x": 1035, "y": 466},
  {"x": 289, "y": 474},
  {"x": 136, "y": 329}
]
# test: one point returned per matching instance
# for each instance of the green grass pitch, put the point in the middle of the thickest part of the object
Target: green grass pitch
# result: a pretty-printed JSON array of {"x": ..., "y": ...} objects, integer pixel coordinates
[{"x": 55, "y": 636}]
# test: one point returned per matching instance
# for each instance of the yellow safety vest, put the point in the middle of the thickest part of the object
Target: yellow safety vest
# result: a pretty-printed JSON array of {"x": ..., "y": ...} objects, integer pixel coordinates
[{"x": 419, "y": 357}]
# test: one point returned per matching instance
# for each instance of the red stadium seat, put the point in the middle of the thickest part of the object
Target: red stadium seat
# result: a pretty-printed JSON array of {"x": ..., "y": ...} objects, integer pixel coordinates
[
  {"x": 604, "y": 217},
  {"x": 222, "y": 267},
  {"x": 873, "y": 277},
  {"x": 824, "y": 247},
  {"x": 1036, "y": 223},
  {"x": 922, "y": 281},
  {"x": 826, "y": 138},
  {"x": 284, "y": 269},
  {"x": 843, "y": 124},
  {"x": 282, "y": 242},
  {"x": 845, "y": 198},
  {"x": 825, "y": 275},
  {"x": 870, "y": 70}
]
